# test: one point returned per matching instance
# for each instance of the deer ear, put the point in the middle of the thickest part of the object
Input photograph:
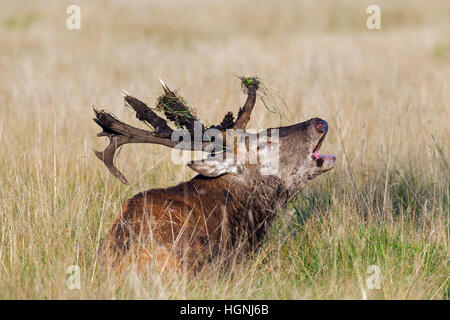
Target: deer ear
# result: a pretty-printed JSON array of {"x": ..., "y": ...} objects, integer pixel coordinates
[{"x": 217, "y": 166}]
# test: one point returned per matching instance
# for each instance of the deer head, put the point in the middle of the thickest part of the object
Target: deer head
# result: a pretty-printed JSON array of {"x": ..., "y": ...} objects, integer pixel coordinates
[{"x": 289, "y": 153}]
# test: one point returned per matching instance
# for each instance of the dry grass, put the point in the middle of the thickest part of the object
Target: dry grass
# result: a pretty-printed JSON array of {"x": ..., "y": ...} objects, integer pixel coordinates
[{"x": 385, "y": 94}]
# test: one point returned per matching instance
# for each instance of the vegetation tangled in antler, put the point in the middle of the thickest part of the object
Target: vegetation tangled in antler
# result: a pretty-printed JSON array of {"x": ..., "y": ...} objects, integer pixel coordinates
[{"x": 175, "y": 109}]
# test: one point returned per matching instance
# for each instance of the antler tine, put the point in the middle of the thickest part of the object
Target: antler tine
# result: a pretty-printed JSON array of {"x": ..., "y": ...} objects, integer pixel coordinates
[
  {"x": 107, "y": 157},
  {"x": 250, "y": 85},
  {"x": 165, "y": 87}
]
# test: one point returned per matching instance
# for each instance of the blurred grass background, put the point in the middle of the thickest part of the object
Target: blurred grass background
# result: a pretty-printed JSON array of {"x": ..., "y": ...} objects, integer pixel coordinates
[{"x": 385, "y": 94}]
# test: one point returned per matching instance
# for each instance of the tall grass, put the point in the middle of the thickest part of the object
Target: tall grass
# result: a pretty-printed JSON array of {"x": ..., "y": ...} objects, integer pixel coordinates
[{"x": 384, "y": 93}]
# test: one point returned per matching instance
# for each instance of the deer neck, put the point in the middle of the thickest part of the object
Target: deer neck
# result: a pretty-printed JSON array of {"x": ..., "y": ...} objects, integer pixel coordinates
[{"x": 251, "y": 204}]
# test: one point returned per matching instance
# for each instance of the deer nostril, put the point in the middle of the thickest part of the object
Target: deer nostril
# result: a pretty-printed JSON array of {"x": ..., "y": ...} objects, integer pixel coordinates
[
  {"x": 321, "y": 126},
  {"x": 319, "y": 162}
]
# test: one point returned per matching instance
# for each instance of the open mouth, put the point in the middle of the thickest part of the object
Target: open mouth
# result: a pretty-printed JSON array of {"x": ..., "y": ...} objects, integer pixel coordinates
[{"x": 320, "y": 158}]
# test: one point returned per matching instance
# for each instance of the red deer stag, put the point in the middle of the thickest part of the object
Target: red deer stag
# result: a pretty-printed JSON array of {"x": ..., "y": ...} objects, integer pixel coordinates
[{"x": 228, "y": 207}]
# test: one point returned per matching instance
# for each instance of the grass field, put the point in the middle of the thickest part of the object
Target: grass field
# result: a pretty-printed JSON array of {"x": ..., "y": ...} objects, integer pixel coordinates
[{"x": 385, "y": 94}]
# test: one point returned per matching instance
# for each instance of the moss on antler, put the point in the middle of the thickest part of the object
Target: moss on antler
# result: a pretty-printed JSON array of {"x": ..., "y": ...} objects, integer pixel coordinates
[
  {"x": 249, "y": 83},
  {"x": 176, "y": 109}
]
